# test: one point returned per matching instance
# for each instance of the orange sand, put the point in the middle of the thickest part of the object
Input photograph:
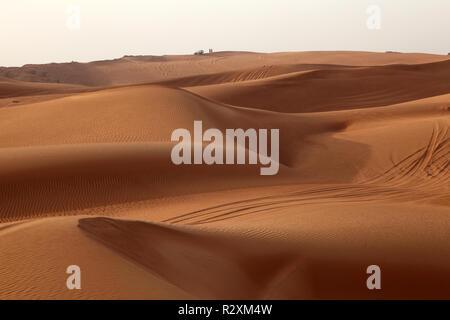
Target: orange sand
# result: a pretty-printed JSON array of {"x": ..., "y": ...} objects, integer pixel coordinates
[{"x": 86, "y": 178}]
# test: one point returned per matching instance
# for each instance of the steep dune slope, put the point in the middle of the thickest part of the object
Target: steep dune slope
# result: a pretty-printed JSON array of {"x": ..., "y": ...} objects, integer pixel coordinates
[
  {"x": 34, "y": 257},
  {"x": 141, "y": 69},
  {"x": 86, "y": 178},
  {"x": 334, "y": 89},
  {"x": 113, "y": 146},
  {"x": 303, "y": 255},
  {"x": 243, "y": 75}
]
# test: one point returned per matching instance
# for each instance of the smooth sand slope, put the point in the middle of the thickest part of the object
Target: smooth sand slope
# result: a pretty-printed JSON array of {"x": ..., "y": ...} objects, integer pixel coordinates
[
  {"x": 86, "y": 179},
  {"x": 334, "y": 88}
]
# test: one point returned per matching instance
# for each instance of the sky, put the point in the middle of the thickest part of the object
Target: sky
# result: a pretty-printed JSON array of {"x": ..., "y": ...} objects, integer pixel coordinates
[{"x": 44, "y": 31}]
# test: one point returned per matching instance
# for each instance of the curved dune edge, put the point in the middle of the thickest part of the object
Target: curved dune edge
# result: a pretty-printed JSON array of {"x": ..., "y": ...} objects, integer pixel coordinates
[
  {"x": 345, "y": 88},
  {"x": 237, "y": 71},
  {"x": 223, "y": 264},
  {"x": 35, "y": 254},
  {"x": 364, "y": 179},
  {"x": 74, "y": 165},
  {"x": 144, "y": 69}
]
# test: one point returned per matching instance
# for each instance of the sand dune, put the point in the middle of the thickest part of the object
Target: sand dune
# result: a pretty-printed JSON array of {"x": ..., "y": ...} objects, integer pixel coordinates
[
  {"x": 13, "y": 88},
  {"x": 101, "y": 151},
  {"x": 345, "y": 88},
  {"x": 86, "y": 178},
  {"x": 272, "y": 264},
  {"x": 259, "y": 73},
  {"x": 15, "y": 92},
  {"x": 141, "y": 69}
]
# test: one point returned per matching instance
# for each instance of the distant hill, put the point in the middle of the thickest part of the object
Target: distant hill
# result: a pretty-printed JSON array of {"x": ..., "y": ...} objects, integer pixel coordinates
[{"x": 145, "y": 69}]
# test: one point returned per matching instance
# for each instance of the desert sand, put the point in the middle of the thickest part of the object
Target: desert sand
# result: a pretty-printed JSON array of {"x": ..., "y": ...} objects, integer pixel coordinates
[{"x": 86, "y": 178}]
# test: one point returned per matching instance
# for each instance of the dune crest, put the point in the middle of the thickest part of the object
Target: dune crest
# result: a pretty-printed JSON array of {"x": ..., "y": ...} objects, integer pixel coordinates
[{"x": 86, "y": 177}]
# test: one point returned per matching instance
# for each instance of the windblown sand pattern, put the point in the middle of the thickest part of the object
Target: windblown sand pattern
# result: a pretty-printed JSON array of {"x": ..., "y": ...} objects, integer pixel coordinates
[{"x": 86, "y": 178}]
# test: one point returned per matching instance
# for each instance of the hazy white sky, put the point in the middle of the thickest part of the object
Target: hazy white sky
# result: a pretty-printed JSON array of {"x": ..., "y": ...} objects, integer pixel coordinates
[{"x": 36, "y": 31}]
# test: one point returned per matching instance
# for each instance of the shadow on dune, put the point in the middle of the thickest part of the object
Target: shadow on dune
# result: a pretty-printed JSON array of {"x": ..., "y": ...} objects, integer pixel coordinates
[
  {"x": 223, "y": 266},
  {"x": 333, "y": 89},
  {"x": 202, "y": 264}
]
